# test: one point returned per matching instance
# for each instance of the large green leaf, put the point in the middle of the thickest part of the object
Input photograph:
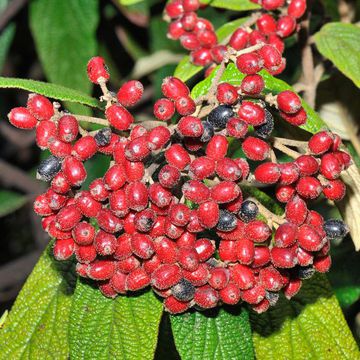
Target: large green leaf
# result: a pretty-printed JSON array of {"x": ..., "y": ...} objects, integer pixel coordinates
[
  {"x": 53, "y": 91},
  {"x": 5, "y": 41},
  {"x": 238, "y": 5},
  {"x": 36, "y": 327},
  {"x": 311, "y": 326},
  {"x": 217, "y": 335},
  {"x": 186, "y": 70},
  {"x": 124, "y": 328},
  {"x": 65, "y": 38},
  {"x": 272, "y": 85},
  {"x": 340, "y": 43},
  {"x": 10, "y": 201}
]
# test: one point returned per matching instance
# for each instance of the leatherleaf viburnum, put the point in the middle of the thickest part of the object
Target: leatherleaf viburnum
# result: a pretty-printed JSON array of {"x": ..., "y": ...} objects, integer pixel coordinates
[{"x": 169, "y": 212}]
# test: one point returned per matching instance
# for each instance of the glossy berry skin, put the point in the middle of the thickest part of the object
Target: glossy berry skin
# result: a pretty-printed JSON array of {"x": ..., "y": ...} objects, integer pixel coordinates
[
  {"x": 285, "y": 26},
  {"x": 257, "y": 231},
  {"x": 335, "y": 229},
  {"x": 236, "y": 128},
  {"x": 173, "y": 88},
  {"x": 97, "y": 70},
  {"x": 217, "y": 147},
  {"x": 283, "y": 257},
  {"x": 307, "y": 165},
  {"x": 98, "y": 190},
  {"x": 267, "y": 173},
  {"x": 44, "y": 131},
  {"x": 206, "y": 297},
  {"x": 220, "y": 115},
  {"x": 288, "y": 102},
  {"x": 40, "y": 107},
  {"x": 164, "y": 109},
  {"x": 68, "y": 217},
  {"x": 289, "y": 173},
  {"x": 296, "y": 210},
  {"x": 142, "y": 246},
  {"x": 322, "y": 264},
  {"x": 320, "y": 143},
  {"x": 286, "y": 235},
  {"x": 226, "y": 94},
  {"x": 266, "y": 24},
  {"x": 21, "y": 118},
  {"x": 248, "y": 211},
  {"x": 63, "y": 249},
  {"x": 83, "y": 233},
  {"x": 166, "y": 276},
  {"x": 190, "y": 126},
  {"x": 245, "y": 251},
  {"x": 177, "y": 156},
  {"x": 137, "y": 195},
  {"x": 297, "y": 119},
  {"x": 101, "y": 269},
  {"x": 270, "y": 279},
  {"x": 227, "y": 169},
  {"x": 184, "y": 290},
  {"x": 309, "y": 239},
  {"x": 105, "y": 243},
  {"x": 208, "y": 213},
  {"x": 239, "y": 39},
  {"x": 119, "y": 117},
  {"x": 309, "y": 187},
  {"x": 169, "y": 176},
  {"x": 255, "y": 149},
  {"x": 68, "y": 128},
  {"x": 251, "y": 113},
  {"x": 198, "y": 277},
  {"x": 196, "y": 191},
  {"x": 249, "y": 63},
  {"x": 108, "y": 221},
  {"x": 297, "y": 8},
  {"x": 74, "y": 171},
  {"x": 88, "y": 206},
  {"x": 188, "y": 258},
  {"x": 271, "y": 56},
  {"x": 242, "y": 276},
  {"x": 204, "y": 248},
  {"x": 137, "y": 149},
  {"x": 202, "y": 168},
  {"x": 252, "y": 84},
  {"x": 330, "y": 166},
  {"x": 230, "y": 294},
  {"x": 201, "y": 56},
  {"x": 225, "y": 192},
  {"x": 219, "y": 278},
  {"x": 84, "y": 148},
  {"x": 130, "y": 93},
  {"x": 48, "y": 168},
  {"x": 227, "y": 221}
]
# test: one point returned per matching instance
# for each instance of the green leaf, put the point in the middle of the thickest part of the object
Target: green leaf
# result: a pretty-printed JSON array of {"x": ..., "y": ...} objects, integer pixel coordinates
[
  {"x": 238, "y": 5},
  {"x": 272, "y": 85},
  {"x": 10, "y": 201},
  {"x": 311, "y": 326},
  {"x": 65, "y": 38},
  {"x": 220, "y": 334},
  {"x": 5, "y": 41},
  {"x": 53, "y": 91},
  {"x": 102, "y": 328},
  {"x": 129, "y": 2},
  {"x": 340, "y": 43},
  {"x": 186, "y": 70},
  {"x": 36, "y": 327}
]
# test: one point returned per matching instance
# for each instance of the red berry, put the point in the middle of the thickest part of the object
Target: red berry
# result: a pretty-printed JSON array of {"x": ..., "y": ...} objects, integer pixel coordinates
[
  {"x": 292, "y": 288},
  {"x": 289, "y": 173},
  {"x": 185, "y": 105},
  {"x": 309, "y": 239},
  {"x": 245, "y": 251},
  {"x": 285, "y": 235},
  {"x": 97, "y": 70},
  {"x": 174, "y": 306},
  {"x": 98, "y": 190},
  {"x": 169, "y": 176},
  {"x": 257, "y": 231},
  {"x": 208, "y": 213},
  {"x": 271, "y": 56},
  {"x": 225, "y": 192},
  {"x": 249, "y": 63},
  {"x": 239, "y": 39},
  {"x": 256, "y": 149},
  {"x": 202, "y": 168},
  {"x": 101, "y": 269},
  {"x": 166, "y": 276},
  {"x": 68, "y": 128},
  {"x": 219, "y": 278},
  {"x": 174, "y": 9},
  {"x": 177, "y": 156},
  {"x": 283, "y": 257},
  {"x": 261, "y": 256},
  {"x": 190, "y": 126},
  {"x": 205, "y": 248},
  {"x": 297, "y": 8},
  {"x": 272, "y": 4},
  {"x": 252, "y": 84},
  {"x": 334, "y": 190},
  {"x": 266, "y": 24},
  {"x": 252, "y": 113},
  {"x": 137, "y": 195},
  {"x": 83, "y": 233},
  {"x": 288, "y": 102},
  {"x": 128, "y": 265},
  {"x": 44, "y": 131},
  {"x": 309, "y": 187},
  {"x": 137, "y": 149},
  {"x": 322, "y": 264},
  {"x": 206, "y": 297},
  {"x": 188, "y": 258},
  {"x": 217, "y": 147},
  {"x": 218, "y": 53},
  {"x": 296, "y": 119},
  {"x": 307, "y": 165},
  {"x": 21, "y": 118},
  {"x": 88, "y": 206},
  {"x": 130, "y": 93},
  {"x": 115, "y": 177},
  {"x": 201, "y": 57},
  {"x": 108, "y": 221},
  {"x": 267, "y": 173},
  {"x": 119, "y": 117},
  {"x": 123, "y": 248},
  {"x": 63, "y": 249},
  {"x": 236, "y": 128},
  {"x": 230, "y": 294},
  {"x": 40, "y": 107},
  {"x": 296, "y": 210},
  {"x": 321, "y": 142},
  {"x": 330, "y": 166},
  {"x": 173, "y": 88},
  {"x": 270, "y": 279},
  {"x": 242, "y": 276},
  {"x": 68, "y": 217},
  {"x": 179, "y": 214},
  {"x": 164, "y": 109},
  {"x": 105, "y": 243},
  {"x": 284, "y": 193},
  {"x": 286, "y": 25},
  {"x": 196, "y": 191},
  {"x": 226, "y": 94}
]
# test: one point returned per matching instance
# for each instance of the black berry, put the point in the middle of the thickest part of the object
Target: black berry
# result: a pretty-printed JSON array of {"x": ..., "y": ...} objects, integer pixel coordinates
[
  {"x": 272, "y": 297},
  {"x": 248, "y": 211},
  {"x": 335, "y": 229},
  {"x": 184, "y": 290},
  {"x": 265, "y": 130},
  {"x": 208, "y": 132},
  {"x": 227, "y": 221},
  {"x": 304, "y": 272},
  {"x": 103, "y": 137},
  {"x": 220, "y": 116},
  {"x": 48, "y": 168}
]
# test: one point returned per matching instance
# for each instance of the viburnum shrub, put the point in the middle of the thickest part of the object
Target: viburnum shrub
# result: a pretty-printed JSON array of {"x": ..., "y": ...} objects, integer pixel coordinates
[{"x": 175, "y": 211}]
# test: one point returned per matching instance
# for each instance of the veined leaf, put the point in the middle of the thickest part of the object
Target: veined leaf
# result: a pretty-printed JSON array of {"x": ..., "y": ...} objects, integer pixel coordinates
[
  {"x": 10, "y": 201},
  {"x": 340, "y": 43},
  {"x": 218, "y": 335},
  {"x": 272, "y": 85},
  {"x": 310, "y": 326},
  {"x": 36, "y": 327},
  {"x": 186, "y": 70},
  {"x": 65, "y": 38},
  {"x": 238, "y": 5},
  {"x": 124, "y": 328},
  {"x": 53, "y": 91}
]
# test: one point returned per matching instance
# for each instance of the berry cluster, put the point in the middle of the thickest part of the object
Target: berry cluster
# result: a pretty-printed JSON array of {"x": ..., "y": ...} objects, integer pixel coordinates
[
  {"x": 198, "y": 36},
  {"x": 169, "y": 212}
]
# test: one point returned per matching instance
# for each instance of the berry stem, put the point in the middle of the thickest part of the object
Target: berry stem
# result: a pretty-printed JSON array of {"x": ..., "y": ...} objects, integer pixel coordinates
[
  {"x": 290, "y": 142},
  {"x": 92, "y": 120},
  {"x": 284, "y": 149},
  {"x": 267, "y": 213}
]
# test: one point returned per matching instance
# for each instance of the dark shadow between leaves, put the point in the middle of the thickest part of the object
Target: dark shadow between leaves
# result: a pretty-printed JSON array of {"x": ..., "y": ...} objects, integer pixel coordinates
[{"x": 272, "y": 320}]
